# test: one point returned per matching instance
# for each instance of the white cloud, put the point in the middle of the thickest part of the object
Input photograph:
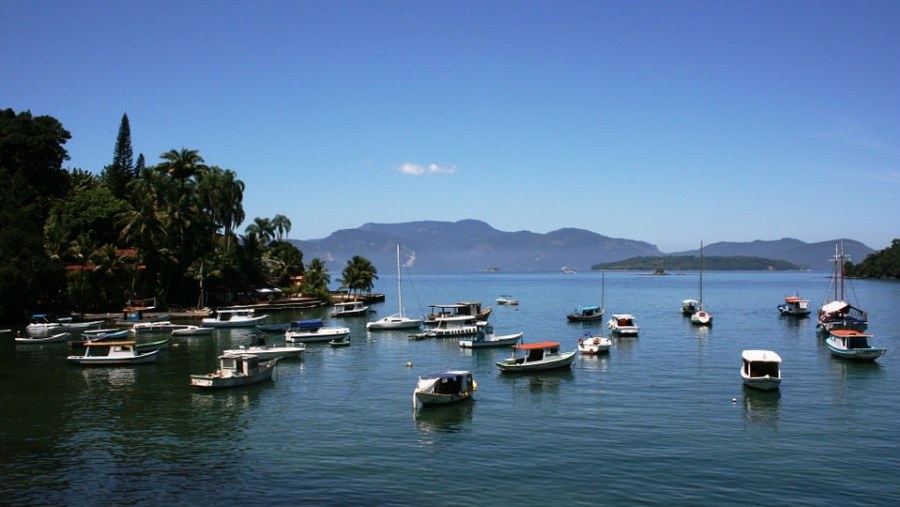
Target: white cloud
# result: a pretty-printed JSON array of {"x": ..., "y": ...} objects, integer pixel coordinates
[{"x": 419, "y": 169}]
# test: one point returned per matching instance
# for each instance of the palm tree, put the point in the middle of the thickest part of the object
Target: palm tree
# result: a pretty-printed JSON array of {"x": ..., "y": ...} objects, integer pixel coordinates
[
  {"x": 183, "y": 164},
  {"x": 262, "y": 228},
  {"x": 359, "y": 274},
  {"x": 282, "y": 225}
]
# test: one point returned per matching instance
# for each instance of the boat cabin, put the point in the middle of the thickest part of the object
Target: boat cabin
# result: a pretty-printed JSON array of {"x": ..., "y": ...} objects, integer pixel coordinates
[
  {"x": 238, "y": 365},
  {"x": 109, "y": 349},
  {"x": 537, "y": 351},
  {"x": 451, "y": 382},
  {"x": 309, "y": 325},
  {"x": 588, "y": 311},
  {"x": 851, "y": 339},
  {"x": 235, "y": 314},
  {"x": 761, "y": 363},
  {"x": 461, "y": 309}
]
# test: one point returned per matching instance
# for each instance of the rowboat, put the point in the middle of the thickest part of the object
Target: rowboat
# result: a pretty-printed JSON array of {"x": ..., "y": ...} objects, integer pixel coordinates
[
  {"x": 31, "y": 340},
  {"x": 485, "y": 337}
]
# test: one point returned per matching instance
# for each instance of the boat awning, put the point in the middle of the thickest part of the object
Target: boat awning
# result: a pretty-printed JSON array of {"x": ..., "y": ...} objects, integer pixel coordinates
[
  {"x": 538, "y": 345},
  {"x": 308, "y": 324},
  {"x": 445, "y": 374},
  {"x": 847, "y": 333},
  {"x": 761, "y": 355},
  {"x": 835, "y": 307}
]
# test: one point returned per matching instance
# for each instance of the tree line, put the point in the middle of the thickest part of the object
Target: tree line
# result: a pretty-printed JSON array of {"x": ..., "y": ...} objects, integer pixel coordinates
[{"x": 72, "y": 240}]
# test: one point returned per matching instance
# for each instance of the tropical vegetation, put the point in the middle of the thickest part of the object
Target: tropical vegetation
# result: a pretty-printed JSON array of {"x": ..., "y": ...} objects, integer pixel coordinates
[
  {"x": 74, "y": 240},
  {"x": 882, "y": 264}
]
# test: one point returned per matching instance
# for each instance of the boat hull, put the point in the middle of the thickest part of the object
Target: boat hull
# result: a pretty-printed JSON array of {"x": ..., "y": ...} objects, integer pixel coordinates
[
  {"x": 143, "y": 358},
  {"x": 251, "y": 322},
  {"x": 563, "y": 360},
  {"x": 594, "y": 345},
  {"x": 193, "y": 331},
  {"x": 762, "y": 383},
  {"x": 496, "y": 341},
  {"x": 388, "y": 323},
  {"x": 214, "y": 381},
  {"x": 57, "y": 338},
  {"x": 859, "y": 354},
  {"x": 322, "y": 335}
]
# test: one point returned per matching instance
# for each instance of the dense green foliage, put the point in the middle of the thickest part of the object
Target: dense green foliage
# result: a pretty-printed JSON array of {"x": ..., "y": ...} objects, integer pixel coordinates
[
  {"x": 882, "y": 264},
  {"x": 690, "y": 262},
  {"x": 73, "y": 241}
]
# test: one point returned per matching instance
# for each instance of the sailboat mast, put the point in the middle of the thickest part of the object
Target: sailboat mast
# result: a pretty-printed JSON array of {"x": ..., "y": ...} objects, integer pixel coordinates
[
  {"x": 701, "y": 273},
  {"x": 399, "y": 291}
]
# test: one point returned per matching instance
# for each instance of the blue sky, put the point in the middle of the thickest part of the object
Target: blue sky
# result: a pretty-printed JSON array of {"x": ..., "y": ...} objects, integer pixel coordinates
[{"x": 665, "y": 122}]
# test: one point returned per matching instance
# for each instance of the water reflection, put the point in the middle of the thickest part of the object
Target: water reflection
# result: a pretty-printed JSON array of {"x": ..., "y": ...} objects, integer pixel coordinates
[
  {"x": 762, "y": 406},
  {"x": 108, "y": 376},
  {"x": 594, "y": 363},
  {"x": 239, "y": 398},
  {"x": 450, "y": 418}
]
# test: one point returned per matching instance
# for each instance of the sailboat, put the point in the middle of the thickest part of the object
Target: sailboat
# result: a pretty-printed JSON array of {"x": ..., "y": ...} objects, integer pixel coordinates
[
  {"x": 397, "y": 320},
  {"x": 593, "y": 345},
  {"x": 837, "y": 313},
  {"x": 586, "y": 313},
  {"x": 701, "y": 317}
]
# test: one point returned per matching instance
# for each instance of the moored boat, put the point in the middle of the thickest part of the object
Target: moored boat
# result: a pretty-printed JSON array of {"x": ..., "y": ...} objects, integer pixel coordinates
[
  {"x": 113, "y": 353},
  {"x": 538, "y": 357},
  {"x": 350, "y": 309},
  {"x": 593, "y": 345},
  {"x": 264, "y": 351},
  {"x": 34, "y": 340},
  {"x": 689, "y": 307},
  {"x": 623, "y": 324},
  {"x": 794, "y": 306},
  {"x": 701, "y": 317},
  {"x": 761, "y": 369},
  {"x": 313, "y": 330},
  {"x": 397, "y": 320},
  {"x": 485, "y": 337},
  {"x": 836, "y": 312},
  {"x": 104, "y": 334},
  {"x": 161, "y": 326},
  {"x": 470, "y": 309},
  {"x": 584, "y": 313},
  {"x": 340, "y": 342},
  {"x": 444, "y": 387},
  {"x": 506, "y": 299},
  {"x": 193, "y": 331},
  {"x": 852, "y": 344},
  {"x": 153, "y": 345},
  {"x": 234, "y": 317},
  {"x": 236, "y": 370}
]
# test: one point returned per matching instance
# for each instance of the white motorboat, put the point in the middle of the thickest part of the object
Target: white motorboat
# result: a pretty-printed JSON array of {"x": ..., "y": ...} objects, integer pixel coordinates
[
  {"x": 593, "y": 345},
  {"x": 162, "y": 326},
  {"x": 234, "y": 317},
  {"x": 485, "y": 337},
  {"x": 43, "y": 324},
  {"x": 33, "y": 340},
  {"x": 852, "y": 344},
  {"x": 350, "y": 309},
  {"x": 264, "y": 351},
  {"x": 538, "y": 357},
  {"x": 623, "y": 324},
  {"x": 506, "y": 299},
  {"x": 236, "y": 370},
  {"x": 113, "y": 353},
  {"x": 689, "y": 307},
  {"x": 193, "y": 331},
  {"x": 313, "y": 330},
  {"x": 397, "y": 320},
  {"x": 442, "y": 388},
  {"x": 449, "y": 327},
  {"x": 761, "y": 369},
  {"x": 794, "y": 306}
]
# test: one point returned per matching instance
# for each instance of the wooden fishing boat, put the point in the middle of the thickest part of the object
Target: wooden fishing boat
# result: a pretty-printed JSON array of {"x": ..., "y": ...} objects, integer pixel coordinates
[
  {"x": 485, "y": 337},
  {"x": 794, "y": 306},
  {"x": 444, "y": 387},
  {"x": 538, "y": 357},
  {"x": 836, "y": 312},
  {"x": 234, "y": 317},
  {"x": 236, "y": 370},
  {"x": 852, "y": 344},
  {"x": 761, "y": 369},
  {"x": 113, "y": 353},
  {"x": 350, "y": 309}
]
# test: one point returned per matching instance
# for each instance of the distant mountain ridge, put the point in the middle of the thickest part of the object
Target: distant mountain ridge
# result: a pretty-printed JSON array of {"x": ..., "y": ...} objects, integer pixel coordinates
[{"x": 473, "y": 245}]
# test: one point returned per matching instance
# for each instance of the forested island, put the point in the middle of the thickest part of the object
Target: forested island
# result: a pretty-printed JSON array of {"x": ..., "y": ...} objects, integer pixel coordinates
[{"x": 693, "y": 263}]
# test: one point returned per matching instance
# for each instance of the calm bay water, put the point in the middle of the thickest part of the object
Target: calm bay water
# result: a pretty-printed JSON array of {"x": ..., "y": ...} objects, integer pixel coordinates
[{"x": 662, "y": 419}]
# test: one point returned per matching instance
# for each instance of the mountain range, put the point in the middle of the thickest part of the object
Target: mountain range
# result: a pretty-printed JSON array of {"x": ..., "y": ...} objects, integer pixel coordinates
[{"x": 473, "y": 245}]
